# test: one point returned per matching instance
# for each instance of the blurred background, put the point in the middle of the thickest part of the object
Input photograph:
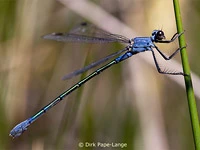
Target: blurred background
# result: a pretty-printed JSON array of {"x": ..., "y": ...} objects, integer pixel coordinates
[{"x": 129, "y": 103}]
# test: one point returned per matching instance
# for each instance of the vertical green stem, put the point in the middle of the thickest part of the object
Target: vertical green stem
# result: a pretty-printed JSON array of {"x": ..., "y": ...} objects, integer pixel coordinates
[{"x": 188, "y": 79}]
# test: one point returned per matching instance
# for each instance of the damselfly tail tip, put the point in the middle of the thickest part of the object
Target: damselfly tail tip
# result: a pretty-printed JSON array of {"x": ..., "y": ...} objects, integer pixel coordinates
[{"x": 19, "y": 129}]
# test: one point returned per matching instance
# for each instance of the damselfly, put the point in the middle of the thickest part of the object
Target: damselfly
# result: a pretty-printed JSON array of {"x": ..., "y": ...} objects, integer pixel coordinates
[{"x": 96, "y": 35}]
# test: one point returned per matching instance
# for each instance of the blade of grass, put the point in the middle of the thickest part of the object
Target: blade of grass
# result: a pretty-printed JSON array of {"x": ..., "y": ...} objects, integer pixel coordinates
[{"x": 188, "y": 80}]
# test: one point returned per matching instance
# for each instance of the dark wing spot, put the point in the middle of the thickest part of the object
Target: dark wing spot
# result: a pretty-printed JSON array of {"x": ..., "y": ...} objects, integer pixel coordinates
[
  {"x": 84, "y": 24},
  {"x": 59, "y": 34}
]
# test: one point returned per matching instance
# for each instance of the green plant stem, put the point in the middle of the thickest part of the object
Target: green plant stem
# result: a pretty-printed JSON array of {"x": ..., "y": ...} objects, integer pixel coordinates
[{"x": 188, "y": 79}]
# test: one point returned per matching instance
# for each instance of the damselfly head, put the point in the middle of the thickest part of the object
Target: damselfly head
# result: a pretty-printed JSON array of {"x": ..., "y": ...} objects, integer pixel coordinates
[{"x": 158, "y": 35}]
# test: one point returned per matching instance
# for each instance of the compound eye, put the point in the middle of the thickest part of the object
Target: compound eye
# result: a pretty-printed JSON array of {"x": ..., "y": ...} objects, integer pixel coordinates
[{"x": 160, "y": 35}]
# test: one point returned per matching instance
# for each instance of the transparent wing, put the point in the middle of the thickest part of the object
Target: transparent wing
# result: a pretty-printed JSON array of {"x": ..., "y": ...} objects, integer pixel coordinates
[
  {"x": 87, "y": 33},
  {"x": 94, "y": 64}
]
